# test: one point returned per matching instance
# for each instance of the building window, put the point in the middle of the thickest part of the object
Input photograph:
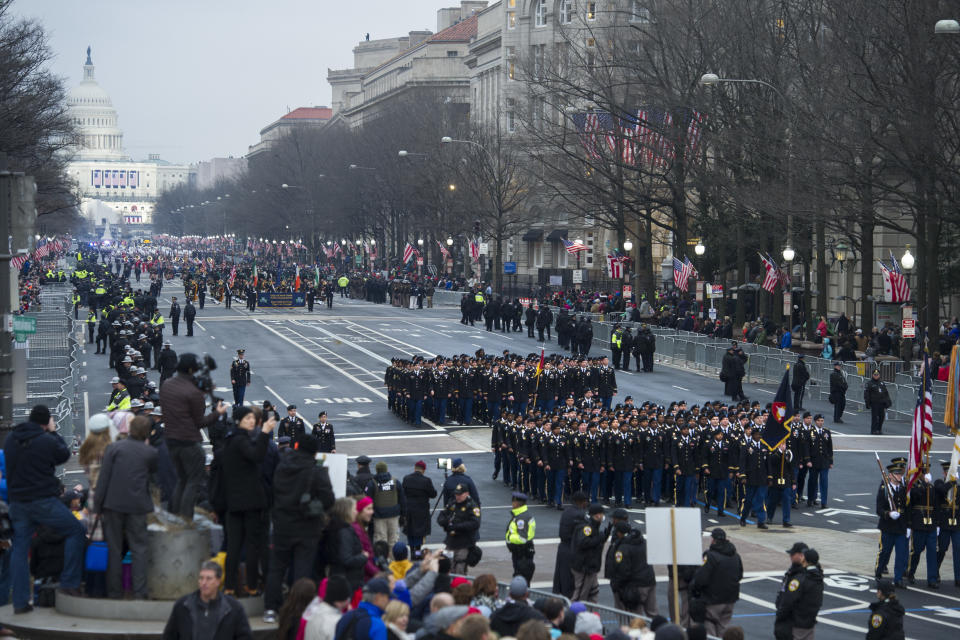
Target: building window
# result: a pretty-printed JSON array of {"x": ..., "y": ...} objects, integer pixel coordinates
[
  {"x": 591, "y": 11},
  {"x": 512, "y": 4},
  {"x": 451, "y": 54},
  {"x": 511, "y": 19},
  {"x": 566, "y": 11},
  {"x": 540, "y": 13},
  {"x": 563, "y": 258},
  {"x": 511, "y": 120},
  {"x": 639, "y": 12},
  {"x": 538, "y": 255}
]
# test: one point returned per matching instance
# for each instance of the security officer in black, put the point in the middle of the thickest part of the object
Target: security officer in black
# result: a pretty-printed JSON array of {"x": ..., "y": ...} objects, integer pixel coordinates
[
  {"x": 323, "y": 432},
  {"x": 520, "y": 533},
  {"x": 293, "y": 425},
  {"x": 91, "y": 325},
  {"x": 174, "y": 315},
  {"x": 886, "y": 615},
  {"x": 239, "y": 377},
  {"x": 460, "y": 519},
  {"x": 877, "y": 399}
]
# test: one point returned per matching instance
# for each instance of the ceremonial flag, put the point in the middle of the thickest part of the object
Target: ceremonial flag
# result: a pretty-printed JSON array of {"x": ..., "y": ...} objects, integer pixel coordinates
[
  {"x": 540, "y": 364},
  {"x": 779, "y": 425},
  {"x": 895, "y": 287},
  {"x": 952, "y": 410},
  {"x": 316, "y": 276},
  {"x": 474, "y": 251},
  {"x": 588, "y": 124},
  {"x": 296, "y": 280},
  {"x": 254, "y": 274},
  {"x": 573, "y": 248},
  {"x": 18, "y": 261},
  {"x": 407, "y": 253},
  {"x": 681, "y": 273},
  {"x": 921, "y": 436},
  {"x": 233, "y": 274},
  {"x": 694, "y": 130}
]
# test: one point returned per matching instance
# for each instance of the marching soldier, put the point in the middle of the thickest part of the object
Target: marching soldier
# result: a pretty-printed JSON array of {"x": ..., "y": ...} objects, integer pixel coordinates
[
  {"x": 520, "y": 533},
  {"x": 293, "y": 425},
  {"x": 685, "y": 454},
  {"x": 948, "y": 517},
  {"x": 781, "y": 482},
  {"x": 923, "y": 523},
  {"x": 892, "y": 510},
  {"x": 717, "y": 468},
  {"x": 753, "y": 472},
  {"x": 323, "y": 432},
  {"x": 460, "y": 519},
  {"x": 174, "y": 315},
  {"x": 239, "y": 377}
]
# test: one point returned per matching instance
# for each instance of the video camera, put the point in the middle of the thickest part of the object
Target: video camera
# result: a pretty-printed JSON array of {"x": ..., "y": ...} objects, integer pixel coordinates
[{"x": 202, "y": 377}]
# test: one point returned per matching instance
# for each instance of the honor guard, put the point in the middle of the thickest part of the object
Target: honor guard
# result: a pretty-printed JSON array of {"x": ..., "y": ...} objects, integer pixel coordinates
[
  {"x": 323, "y": 432},
  {"x": 924, "y": 524},
  {"x": 239, "y": 377},
  {"x": 948, "y": 518},
  {"x": 293, "y": 425},
  {"x": 892, "y": 510},
  {"x": 460, "y": 519}
]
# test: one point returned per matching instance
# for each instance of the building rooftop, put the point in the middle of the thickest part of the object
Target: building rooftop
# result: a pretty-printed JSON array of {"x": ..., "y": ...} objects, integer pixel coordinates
[
  {"x": 309, "y": 113},
  {"x": 460, "y": 32}
]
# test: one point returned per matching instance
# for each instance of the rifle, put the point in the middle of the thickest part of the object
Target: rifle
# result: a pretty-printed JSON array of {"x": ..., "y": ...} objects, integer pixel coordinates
[{"x": 886, "y": 483}]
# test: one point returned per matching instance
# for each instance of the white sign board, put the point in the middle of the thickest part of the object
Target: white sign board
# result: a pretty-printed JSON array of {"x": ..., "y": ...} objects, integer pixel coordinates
[
  {"x": 484, "y": 247},
  {"x": 578, "y": 276},
  {"x": 713, "y": 313},
  {"x": 686, "y": 533},
  {"x": 336, "y": 464},
  {"x": 556, "y": 281}
]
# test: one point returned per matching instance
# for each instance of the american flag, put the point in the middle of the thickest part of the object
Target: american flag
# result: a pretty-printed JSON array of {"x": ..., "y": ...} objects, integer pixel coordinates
[
  {"x": 682, "y": 272},
  {"x": 233, "y": 274},
  {"x": 694, "y": 131},
  {"x": 628, "y": 129},
  {"x": 42, "y": 248},
  {"x": 615, "y": 266},
  {"x": 408, "y": 253},
  {"x": 17, "y": 262},
  {"x": 665, "y": 148},
  {"x": 921, "y": 437},
  {"x": 443, "y": 249},
  {"x": 772, "y": 277},
  {"x": 895, "y": 287},
  {"x": 590, "y": 124},
  {"x": 573, "y": 248},
  {"x": 474, "y": 250}
]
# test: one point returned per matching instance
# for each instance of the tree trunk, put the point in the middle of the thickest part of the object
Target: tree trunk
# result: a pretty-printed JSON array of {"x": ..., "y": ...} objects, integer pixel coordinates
[
  {"x": 867, "y": 226},
  {"x": 822, "y": 274},
  {"x": 741, "y": 275}
]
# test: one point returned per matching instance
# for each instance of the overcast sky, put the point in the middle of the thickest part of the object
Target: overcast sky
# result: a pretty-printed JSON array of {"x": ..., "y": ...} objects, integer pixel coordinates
[{"x": 196, "y": 79}]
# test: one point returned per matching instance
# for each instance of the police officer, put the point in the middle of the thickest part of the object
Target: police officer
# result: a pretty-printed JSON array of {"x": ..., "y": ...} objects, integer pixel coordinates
[
  {"x": 91, "y": 325},
  {"x": 838, "y": 392},
  {"x": 886, "y": 615},
  {"x": 323, "y": 432},
  {"x": 569, "y": 519},
  {"x": 892, "y": 510},
  {"x": 460, "y": 519},
  {"x": 292, "y": 425},
  {"x": 520, "y": 532},
  {"x": 948, "y": 518},
  {"x": 800, "y": 600},
  {"x": 632, "y": 579},
  {"x": 167, "y": 362},
  {"x": 175, "y": 315},
  {"x": 587, "y": 545},
  {"x": 239, "y": 377},
  {"x": 877, "y": 399}
]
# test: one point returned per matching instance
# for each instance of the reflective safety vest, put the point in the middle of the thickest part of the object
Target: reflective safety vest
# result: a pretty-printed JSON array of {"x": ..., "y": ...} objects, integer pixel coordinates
[
  {"x": 478, "y": 297},
  {"x": 128, "y": 301},
  {"x": 616, "y": 338},
  {"x": 522, "y": 527},
  {"x": 121, "y": 402},
  {"x": 75, "y": 299},
  {"x": 100, "y": 290},
  {"x": 157, "y": 320},
  {"x": 49, "y": 273},
  {"x": 92, "y": 317},
  {"x": 343, "y": 281}
]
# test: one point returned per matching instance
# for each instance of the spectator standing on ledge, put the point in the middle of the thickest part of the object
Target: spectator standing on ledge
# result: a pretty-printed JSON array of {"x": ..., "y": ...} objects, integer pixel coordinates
[{"x": 32, "y": 452}]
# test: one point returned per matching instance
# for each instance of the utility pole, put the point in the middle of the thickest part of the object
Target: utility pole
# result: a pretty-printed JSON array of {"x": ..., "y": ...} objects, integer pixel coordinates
[{"x": 18, "y": 217}]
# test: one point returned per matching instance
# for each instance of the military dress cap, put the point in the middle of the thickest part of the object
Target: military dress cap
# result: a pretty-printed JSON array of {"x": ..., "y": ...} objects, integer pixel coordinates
[
  {"x": 885, "y": 586},
  {"x": 241, "y": 351},
  {"x": 461, "y": 488},
  {"x": 902, "y": 461},
  {"x": 291, "y": 407},
  {"x": 519, "y": 496},
  {"x": 945, "y": 464},
  {"x": 363, "y": 460},
  {"x": 896, "y": 468}
]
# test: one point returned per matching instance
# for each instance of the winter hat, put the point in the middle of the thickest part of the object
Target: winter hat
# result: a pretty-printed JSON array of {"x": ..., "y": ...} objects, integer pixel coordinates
[
  {"x": 381, "y": 467},
  {"x": 446, "y": 616},
  {"x": 589, "y": 623},
  {"x": 337, "y": 589},
  {"x": 363, "y": 502},
  {"x": 40, "y": 415},
  {"x": 400, "y": 551},
  {"x": 670, "y": 632},
  {"x": 307, "y": 444},
  {"x": 240, "y": 412},
  {"x": 518, "y": 587},
  {"x": 99, "y": 423}
]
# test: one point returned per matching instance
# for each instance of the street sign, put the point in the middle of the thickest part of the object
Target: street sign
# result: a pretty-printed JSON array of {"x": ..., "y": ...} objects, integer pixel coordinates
[
  {"x": 715, "y": 290},
  {"x": 909, "y": 328},
  {"x": 788, "y": 304},
  {"x": 23, "y": 326},
  {"x": 578, "y": 276},
  {"x": 509, "y": 268},
  {"x": 627, "y": 291},
  {"x": 484, "y": 247},
  {"x": 713, "y": 313},
  {"x": 419, "y": 262}
]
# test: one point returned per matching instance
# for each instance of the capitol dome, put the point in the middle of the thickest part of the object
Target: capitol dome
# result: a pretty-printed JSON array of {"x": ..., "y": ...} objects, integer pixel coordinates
[{"x": 93, "y": 114}]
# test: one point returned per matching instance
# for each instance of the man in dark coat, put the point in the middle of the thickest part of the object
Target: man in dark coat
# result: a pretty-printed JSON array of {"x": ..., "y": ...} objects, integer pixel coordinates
[
  {"x": 573, "y": 514},
  {"x": 877, "y": 399},
  {"x": 801, "y": 375},
  {"x": 717, "y": 582},
  {"x": 206, "y": 613},
  {"x": 838, "y": 392},
  {"x": 296, "y": 533},
  {"x": 189, "y": 313},
  {"x": 731, "y": 374},
  {"x": 632, "y": 580},
  {"x": 167, "y": 362},
  {"x": 419, "y": 491},
  {"x": 174, "y": 315}
]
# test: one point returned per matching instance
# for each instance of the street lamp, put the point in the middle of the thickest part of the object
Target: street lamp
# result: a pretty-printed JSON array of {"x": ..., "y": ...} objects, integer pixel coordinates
[
  {"x": 907, "y": 261},
  {"x": 946, "y": 27},
  {"x": 789, "y": 254},
  {"x": 627, "y": 245},
  {"x": 449, "y": 242},
  {"x": 699, "y": 249}
]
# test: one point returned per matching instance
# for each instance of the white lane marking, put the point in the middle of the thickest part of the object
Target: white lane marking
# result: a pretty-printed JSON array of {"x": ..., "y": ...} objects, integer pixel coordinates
[
  {"x": 429, "y": 453},
  {"x": 199, "y": 325},
  {"x": 283, "y": 403},
  {"x": 86, "y": 406},
  {"x": 823, "y": 620},
  {"x": 681, "y": 388},
  {"x": 833, "y": 522},
  {"x": 851, "y": 495},
  {"x": 405, "y": 437},
  {"x": 361, "y": 327}
]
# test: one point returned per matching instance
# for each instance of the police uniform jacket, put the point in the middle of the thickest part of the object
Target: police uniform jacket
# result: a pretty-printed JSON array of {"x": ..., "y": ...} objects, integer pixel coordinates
[
  {"x": 886, "y": 620},
  {"x": 587, "y": 545},
  {"x": 459, "y": 478},
  {"x": 627, "y": 567},
  {"x": 800, "y": 600},
  {"x": 461, "y": 521}
]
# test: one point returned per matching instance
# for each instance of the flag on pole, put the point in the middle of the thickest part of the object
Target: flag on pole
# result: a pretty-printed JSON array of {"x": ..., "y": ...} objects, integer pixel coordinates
[
  {"x": 540, "y": 364},
  {"x": 474, "y": 251},
  {"x": 681, "y": 273},
  {"x": 407, "y": 253},
  {"x": 952, "y": 410},
  {"x": 772, "y": 277},
  {"x": 296, "y": 280},
  {"x": 443, "y": 249},
  {"x": 614, "y": 266},
  {"x": 895, "y": 287},
  {"x": 316, "y": 276},
  {"x": 255, "y": 274},
  {"x": 233, "y": 274},
  {"x": 921, "y": 436},
  {"x": 778, "y": 427},
  {"x": 573, "y": 248}
]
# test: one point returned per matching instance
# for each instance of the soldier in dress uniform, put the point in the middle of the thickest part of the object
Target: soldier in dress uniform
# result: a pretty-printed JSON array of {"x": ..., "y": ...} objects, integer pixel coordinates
[
  {"x": 460, "y": 519},
  {"x": 292, "y": 425},
  {"x": 892, "y": 511},
  {"x": 923, "y": 522},
  {"x": 948, "y": 519},
  {"x": 820, "y": 448},
  {"x": 323, "y": 432},
  {"x": 753, "y": 472},
  {"x": 781, "y": 482},
  {"x": 239, "y": 377},
  {"x": 717, "y": 468}
]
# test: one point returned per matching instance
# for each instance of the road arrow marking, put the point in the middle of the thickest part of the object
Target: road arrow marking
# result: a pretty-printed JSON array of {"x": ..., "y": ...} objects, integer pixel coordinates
[{"x": 353, "y": 414}]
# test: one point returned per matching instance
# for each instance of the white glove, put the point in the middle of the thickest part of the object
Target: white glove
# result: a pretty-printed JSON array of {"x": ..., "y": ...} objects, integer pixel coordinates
[
  {"x": 909, "y": 531},
  {"x": 928, "y": 478},
  {"x": 894, "y": 515},
  {"x": 938, "y": 532}
]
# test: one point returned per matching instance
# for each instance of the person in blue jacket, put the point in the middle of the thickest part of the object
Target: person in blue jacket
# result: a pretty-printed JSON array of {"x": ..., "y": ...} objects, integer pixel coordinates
[{"x": 366, "y": 621}]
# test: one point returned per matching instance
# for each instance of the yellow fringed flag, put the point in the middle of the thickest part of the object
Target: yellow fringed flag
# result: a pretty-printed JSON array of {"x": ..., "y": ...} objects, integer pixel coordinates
[{"x": 952, "y": 411}]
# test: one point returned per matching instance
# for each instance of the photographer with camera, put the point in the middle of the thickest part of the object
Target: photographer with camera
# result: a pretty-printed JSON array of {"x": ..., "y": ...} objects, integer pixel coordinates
[{"x": 182, "y": 398}]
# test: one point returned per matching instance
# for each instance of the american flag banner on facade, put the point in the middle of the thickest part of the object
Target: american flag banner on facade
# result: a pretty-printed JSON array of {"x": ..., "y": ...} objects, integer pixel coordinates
[
  {"x": 681, "y": 273},
  {"x": 233, "y": 274},
  {"x": 407, "y": 253},
  {"x": 590, "y": 125},
  {"x": 772, "y": 277},
  {"x": 474, "y": 251},
  {"x": 921, "y": 436},
  {"x": 573, "y": 248},
  {"x": 329, "y": 252},
  {"x": 443, "y": 249},
  {"x": 17, "y": 262},
  {"x": 614, "y": 266},
  {"x": 895, "y": 287},
  {"x": 628, "y": 131},
  {"x": 666, "y": 148},
  {"x": 694, "y": 132}
]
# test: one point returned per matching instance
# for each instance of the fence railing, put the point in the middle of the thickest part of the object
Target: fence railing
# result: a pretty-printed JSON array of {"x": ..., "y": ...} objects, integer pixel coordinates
[
  {"x": 53, "y": 372},
  {"x": 765, "y": 365}
]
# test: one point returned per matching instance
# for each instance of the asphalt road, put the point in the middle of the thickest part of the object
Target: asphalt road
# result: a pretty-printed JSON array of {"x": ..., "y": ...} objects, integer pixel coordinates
[{"x": 334, "y": 360}]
